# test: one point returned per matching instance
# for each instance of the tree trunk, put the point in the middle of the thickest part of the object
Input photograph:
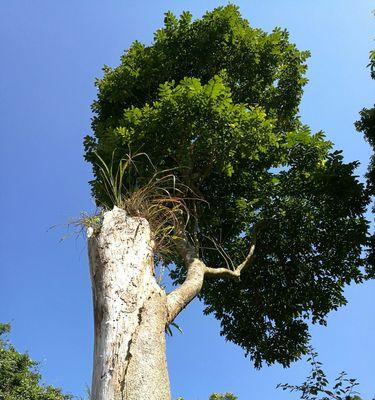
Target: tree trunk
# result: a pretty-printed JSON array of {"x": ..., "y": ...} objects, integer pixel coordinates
[{"x": 130, "y": 312}]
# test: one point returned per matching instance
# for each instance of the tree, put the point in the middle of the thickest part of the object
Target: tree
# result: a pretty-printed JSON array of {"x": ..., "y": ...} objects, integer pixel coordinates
[
  {"x": 217, "y": 396},
  {"x": 226, "y": 396},
  {"x": 366, "y": 125},
  {"x": 316, "y": 385},
  {"x": 201, "y": 164},
  {"x": 19, "y": 376}
]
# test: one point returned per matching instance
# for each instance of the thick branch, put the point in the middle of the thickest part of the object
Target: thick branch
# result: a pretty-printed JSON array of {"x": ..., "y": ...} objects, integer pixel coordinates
[
  {"x": 179, "y": 298},
  {"x": 184, "y": 294}
]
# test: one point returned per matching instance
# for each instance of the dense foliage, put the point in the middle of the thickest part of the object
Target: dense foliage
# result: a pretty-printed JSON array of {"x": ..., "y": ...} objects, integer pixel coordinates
[
  {"x": 19, "y": 376},
  {"x": 217, "y": 101}
]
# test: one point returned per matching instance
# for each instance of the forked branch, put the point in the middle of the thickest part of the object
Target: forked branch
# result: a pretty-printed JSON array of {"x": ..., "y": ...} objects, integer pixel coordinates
[
  {"x": 236, "y": 273},
  {"x": 179, "y": 298}
]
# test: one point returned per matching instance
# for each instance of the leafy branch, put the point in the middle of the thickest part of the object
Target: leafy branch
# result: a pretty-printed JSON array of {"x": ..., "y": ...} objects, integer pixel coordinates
[{"x": 316, "y": 386}]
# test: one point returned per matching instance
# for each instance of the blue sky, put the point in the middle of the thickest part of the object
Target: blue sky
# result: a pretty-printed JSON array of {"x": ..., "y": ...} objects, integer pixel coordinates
[{"x": 51, "y": 52}]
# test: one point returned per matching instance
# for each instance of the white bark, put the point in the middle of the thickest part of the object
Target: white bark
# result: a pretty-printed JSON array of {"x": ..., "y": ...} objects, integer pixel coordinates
[
  {"x": 130, "y": 313},
  {"x": 131, "y": 310}
]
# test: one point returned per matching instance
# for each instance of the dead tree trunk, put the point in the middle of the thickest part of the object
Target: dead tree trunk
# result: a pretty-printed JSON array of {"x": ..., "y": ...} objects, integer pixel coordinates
[{"x": 130, "y": 312}]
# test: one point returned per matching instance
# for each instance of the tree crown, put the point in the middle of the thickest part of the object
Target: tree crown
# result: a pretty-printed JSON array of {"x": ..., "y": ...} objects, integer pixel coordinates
[{"x": 216, "y": 101}]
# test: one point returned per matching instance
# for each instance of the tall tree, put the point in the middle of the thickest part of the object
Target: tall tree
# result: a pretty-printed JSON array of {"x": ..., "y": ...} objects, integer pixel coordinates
[{"x": 249, "y": 210}]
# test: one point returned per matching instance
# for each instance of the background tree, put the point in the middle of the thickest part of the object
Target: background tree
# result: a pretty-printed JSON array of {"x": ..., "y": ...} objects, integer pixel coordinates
[
  {"x": 366, "y": 125},
  {"x": 266, "y": 221},
  {"x": 218, "y": 396},
  {"x": 19, "y": 376},
  {"x": 316, "y": 386},
  {"x": 226, "y": 396}
]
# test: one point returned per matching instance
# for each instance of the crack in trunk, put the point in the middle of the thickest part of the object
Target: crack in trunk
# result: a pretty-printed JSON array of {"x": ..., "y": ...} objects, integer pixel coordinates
[
  {"x": 130, "y": 313},
  {"x": 129, "y": 352}
]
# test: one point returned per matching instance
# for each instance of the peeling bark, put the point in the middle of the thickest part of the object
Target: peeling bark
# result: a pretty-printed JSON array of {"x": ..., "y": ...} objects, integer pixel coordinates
[{"x": 130, "y": 313}]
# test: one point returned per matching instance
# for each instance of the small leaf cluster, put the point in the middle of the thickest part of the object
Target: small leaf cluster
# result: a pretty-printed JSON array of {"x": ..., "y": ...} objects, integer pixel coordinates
[
  {"x": 218, "y": 396},
  {"x": 316, "y": 386},
  {"x": 226, "y": 396}
]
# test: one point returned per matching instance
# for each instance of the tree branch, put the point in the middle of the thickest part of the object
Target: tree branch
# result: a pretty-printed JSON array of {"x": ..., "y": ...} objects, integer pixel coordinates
[
  {"x": 179, "y": 298},
  {"x": 236, "y": 273}
]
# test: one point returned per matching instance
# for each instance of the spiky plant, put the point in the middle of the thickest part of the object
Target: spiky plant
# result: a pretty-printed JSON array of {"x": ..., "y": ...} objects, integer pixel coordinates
[{"x": 161, "y": 200}]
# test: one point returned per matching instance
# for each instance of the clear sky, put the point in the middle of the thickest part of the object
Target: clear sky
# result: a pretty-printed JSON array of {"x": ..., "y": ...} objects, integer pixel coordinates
[{"x": 51, "y": 52}]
